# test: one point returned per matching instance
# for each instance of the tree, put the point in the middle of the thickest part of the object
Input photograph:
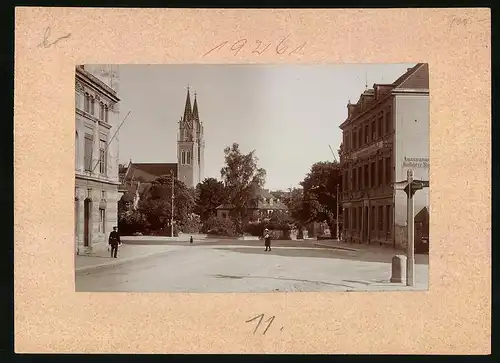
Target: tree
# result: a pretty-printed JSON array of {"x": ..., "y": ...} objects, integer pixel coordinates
[
  {"x": 320, "y": 193},
  {"x": 129, "y": 220},
  {"x": 219, "y": 227},
  {"x": 294, "y": 201},
  {"x": 243, "y": 180},
  {"x": 210, "y": 193},
  {"x": 155, "y": 203}
]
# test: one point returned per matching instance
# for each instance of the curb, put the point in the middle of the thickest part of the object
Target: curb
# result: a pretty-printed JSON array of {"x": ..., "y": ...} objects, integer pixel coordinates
[
  {"x": 118, "y": 261},
  {"x": 336, "y": 247}
]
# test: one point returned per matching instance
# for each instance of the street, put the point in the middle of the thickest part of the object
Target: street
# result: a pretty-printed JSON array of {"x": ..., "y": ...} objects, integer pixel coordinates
[{"x": 243, "y": 266}]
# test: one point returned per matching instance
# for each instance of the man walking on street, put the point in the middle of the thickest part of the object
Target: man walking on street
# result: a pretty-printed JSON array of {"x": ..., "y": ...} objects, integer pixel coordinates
[
  {"x": 267, "y": 239},
  {"x": 114, "y": 240}
]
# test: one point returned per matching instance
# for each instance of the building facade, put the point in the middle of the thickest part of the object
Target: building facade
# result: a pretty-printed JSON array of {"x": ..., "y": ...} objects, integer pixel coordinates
[
  {"x": 386, "y": 133},
  {"x": 96, "y": 156}
]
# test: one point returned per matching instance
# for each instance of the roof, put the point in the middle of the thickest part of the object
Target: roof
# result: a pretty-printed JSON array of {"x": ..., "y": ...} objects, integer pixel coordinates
[
  {"x": 274, "y": 206},
  {"x": 149, "y": 171},
  {"x": 416, "y": 77}
]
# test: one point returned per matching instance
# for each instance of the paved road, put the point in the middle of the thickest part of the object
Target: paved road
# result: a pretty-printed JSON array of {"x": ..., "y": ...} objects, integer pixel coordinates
[{"x": 227, "y": 266}]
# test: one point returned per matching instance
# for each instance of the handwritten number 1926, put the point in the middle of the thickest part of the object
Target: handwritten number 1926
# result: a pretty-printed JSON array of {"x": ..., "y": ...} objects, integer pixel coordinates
[
  {"x": 261, "y": 317},
  {"x": 281, "y": 48}
]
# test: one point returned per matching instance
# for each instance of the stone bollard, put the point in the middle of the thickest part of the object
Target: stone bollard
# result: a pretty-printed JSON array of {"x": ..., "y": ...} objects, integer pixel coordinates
[{"x": 398, "y": 269}]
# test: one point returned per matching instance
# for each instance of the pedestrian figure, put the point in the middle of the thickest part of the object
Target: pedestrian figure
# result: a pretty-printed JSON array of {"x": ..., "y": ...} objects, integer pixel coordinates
[
  {"x": 114, "y": 241},
  {"x": 267, "y": 240},
  {"x": 191, "y": 239}
]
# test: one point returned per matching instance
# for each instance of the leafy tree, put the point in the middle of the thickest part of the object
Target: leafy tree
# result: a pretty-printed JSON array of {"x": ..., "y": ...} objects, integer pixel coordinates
[
  {"x": 294, "y": 201},
  {"x": 320, "y": 193},
  {"x": 129, "y": 220},
  {"x": 210, "y": 193},
  {"x": 155, "y": 203},
  {"x": 243, "y": 180},
  {"x": 219, "y": 226}
]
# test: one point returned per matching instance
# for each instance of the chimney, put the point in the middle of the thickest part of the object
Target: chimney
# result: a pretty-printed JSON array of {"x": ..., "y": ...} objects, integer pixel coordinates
[{"x": 350, "y": 109}]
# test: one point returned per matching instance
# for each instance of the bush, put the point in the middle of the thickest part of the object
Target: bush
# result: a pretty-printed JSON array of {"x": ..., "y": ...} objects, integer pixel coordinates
[
  {"x": 192, "y": 224},
  {"x": 220, "y": 227},
  {"x": 254, "y": 228},
  {"x": 130, "y": 222}
]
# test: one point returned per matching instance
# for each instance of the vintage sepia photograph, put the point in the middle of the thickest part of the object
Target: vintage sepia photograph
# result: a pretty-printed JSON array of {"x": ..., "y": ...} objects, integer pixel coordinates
[{"x": 251, "y": 178}]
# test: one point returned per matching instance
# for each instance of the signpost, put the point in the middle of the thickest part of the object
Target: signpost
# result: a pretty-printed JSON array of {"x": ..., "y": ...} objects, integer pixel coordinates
[{"x": 410, "y": 186}]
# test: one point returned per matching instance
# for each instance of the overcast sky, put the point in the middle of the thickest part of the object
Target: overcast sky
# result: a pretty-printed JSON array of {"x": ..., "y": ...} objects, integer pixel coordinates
[{"x": 288, "y": 113}]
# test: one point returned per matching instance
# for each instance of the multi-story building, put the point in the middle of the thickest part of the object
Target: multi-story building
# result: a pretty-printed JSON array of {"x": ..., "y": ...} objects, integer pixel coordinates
[
  {"x": 96, "y": 155},
  {"x": 385, "y": 134}
]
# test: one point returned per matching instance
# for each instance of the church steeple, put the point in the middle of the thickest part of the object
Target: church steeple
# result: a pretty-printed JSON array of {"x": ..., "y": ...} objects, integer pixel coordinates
[
  {"x": 195, "y": 110},
  {"x": 187, "y": 108}
]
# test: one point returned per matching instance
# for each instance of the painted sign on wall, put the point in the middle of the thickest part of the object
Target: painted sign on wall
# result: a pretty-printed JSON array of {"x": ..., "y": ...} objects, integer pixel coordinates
[{"x": 415, "y": 162}]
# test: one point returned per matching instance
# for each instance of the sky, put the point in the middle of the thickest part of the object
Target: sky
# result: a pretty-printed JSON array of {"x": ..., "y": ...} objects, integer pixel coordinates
[{"x": 288, "y": 114}]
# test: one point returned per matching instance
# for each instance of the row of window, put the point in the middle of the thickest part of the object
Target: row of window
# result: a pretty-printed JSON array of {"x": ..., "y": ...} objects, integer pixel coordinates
[
  {"x": 88, "y": 154},
  {"x": 379, "y": 219},
  {"x": 377, "y": 127},
  {"x": 89, "y": 107},
  {"x": 186, "y": 157},
  {"x": 372, "y": 175}
]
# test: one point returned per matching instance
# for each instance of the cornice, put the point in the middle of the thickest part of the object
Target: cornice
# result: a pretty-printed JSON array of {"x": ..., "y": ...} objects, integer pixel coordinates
[{"x": 95, "y": 83}]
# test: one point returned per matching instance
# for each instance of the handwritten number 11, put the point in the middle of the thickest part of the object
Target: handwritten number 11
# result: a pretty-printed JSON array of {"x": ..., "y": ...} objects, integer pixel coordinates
[{"x": 260, "y": 317}]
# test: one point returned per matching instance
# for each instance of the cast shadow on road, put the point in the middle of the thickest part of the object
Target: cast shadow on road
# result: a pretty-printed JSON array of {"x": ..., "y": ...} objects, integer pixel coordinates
[
  {"x": 324, "y": 253},
  {"x": 221, "y": 276}
]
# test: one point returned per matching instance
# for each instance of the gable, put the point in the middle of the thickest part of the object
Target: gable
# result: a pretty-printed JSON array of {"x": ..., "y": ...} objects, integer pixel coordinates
[{"x": 419, "y": 79}]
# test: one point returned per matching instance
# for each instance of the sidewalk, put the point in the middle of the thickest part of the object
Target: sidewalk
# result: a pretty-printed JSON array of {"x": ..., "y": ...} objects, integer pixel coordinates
[
  {"x": 373, "y": 248},
  {"x": 126, "y": 253}
]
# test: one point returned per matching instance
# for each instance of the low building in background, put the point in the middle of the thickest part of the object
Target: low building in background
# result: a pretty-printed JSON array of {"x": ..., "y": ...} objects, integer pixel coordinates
[{"x": 385, "y": 134}]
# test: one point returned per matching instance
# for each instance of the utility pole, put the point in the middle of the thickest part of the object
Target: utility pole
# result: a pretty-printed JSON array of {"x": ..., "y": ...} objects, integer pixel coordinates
[
  {"x": 410, "y": 264},
  {"x": 338, "y": 236},
  {"x": 172, "y": 205}
]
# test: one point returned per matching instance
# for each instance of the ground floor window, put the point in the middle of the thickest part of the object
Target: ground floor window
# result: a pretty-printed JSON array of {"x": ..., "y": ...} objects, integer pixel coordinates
[
  {"x": 102, "y": 220},
  {"x": 381, "y": 218},
  {"x": 372, "y": 218},
  {"x": 389, "y": 219}
]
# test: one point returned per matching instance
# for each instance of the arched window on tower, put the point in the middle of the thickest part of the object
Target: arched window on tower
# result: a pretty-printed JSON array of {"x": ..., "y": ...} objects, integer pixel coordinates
[
  {"x": 188, "y": 157},
  {"x": 183, "y": 157}
]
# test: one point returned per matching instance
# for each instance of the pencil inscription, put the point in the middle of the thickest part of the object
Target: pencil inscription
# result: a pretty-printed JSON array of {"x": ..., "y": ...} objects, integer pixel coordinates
[
  {"x": 457, "y": 21},
  {"x": 47, "y": 43},
  {"x": 261, "y": 317},
  {"x": 282, "y": 47}
]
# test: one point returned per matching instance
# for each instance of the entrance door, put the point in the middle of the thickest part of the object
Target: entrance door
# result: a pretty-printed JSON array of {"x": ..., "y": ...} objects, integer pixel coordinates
[
  {"x": 76, "y": 223},
  {"x": 86, "y": 223}
]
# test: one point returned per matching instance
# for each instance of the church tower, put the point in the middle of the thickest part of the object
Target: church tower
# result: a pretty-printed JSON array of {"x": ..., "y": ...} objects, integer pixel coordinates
[{"x": 190, "y": 145}]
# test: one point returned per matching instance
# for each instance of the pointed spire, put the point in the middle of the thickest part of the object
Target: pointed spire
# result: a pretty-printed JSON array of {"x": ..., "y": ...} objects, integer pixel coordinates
[
  {"x": 195, "y": 110},
  {"x": 187, "y": 108}
]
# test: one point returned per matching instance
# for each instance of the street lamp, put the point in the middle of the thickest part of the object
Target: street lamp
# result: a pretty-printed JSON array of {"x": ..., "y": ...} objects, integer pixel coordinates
[
  {"x": 172, "y": 206},
  {"x": 410, "y": 186}
]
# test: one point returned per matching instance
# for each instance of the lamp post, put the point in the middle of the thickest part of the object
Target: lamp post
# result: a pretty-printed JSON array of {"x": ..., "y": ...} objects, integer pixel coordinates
[
  {"x": 337, "y": 224},
  {"x": 410, "y": 186},
  {"x": 172, "y": 206}
]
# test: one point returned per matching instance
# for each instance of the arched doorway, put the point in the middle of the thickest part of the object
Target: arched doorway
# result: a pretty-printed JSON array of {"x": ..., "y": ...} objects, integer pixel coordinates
[{"x": 87, "y": 209}]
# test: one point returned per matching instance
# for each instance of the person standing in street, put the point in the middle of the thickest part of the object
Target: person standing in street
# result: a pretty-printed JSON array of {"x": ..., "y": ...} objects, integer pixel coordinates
[
  {"x": 267, "y": 240},
  {"x": 114, "y": 241},
  {"x": 191, "y": 239}
]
